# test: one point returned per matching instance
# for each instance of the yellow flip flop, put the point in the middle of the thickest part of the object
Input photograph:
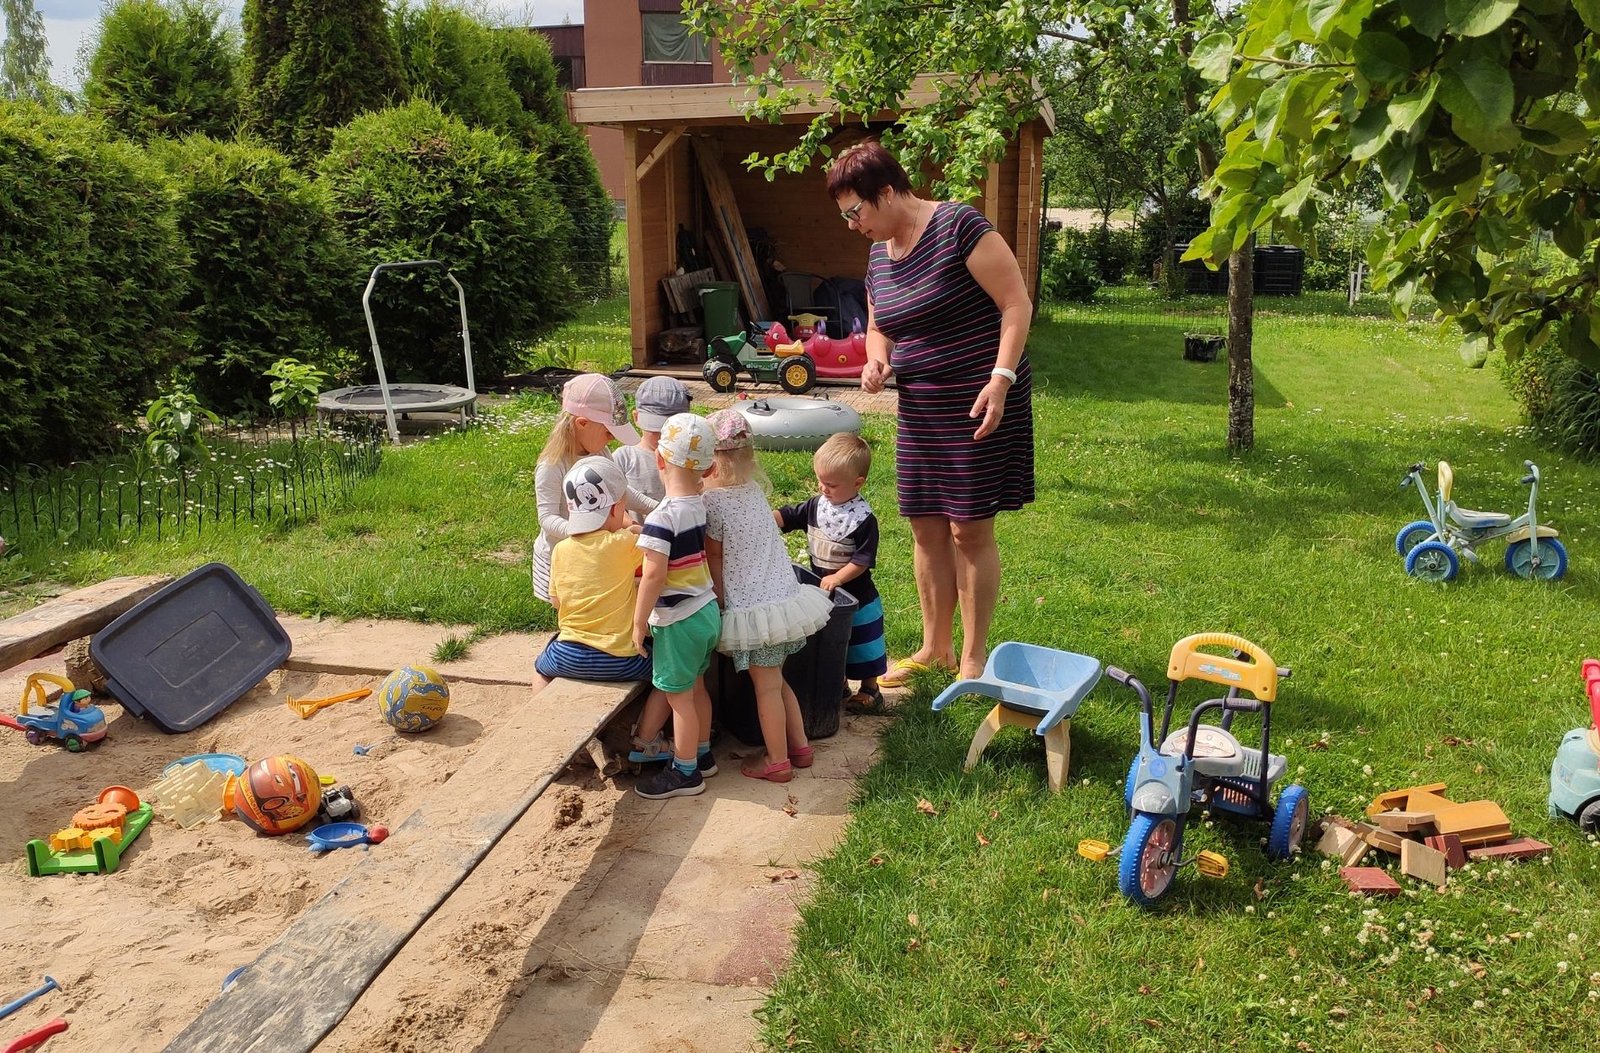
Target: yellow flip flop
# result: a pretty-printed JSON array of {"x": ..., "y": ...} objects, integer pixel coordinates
[{"x": 900, "y": 674}]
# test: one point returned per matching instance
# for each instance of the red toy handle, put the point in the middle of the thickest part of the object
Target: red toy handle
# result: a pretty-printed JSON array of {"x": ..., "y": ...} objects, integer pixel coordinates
[
  {"x": 1591, "y": 683},
  {"x": 36, "y": 1038}
]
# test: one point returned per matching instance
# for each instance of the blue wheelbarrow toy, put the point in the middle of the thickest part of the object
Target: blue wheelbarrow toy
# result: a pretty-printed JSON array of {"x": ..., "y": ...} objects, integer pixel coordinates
[
  {"x": 1433, "y": 547},
  {"x": 1201, "y": 764},
  {"x": 1034, "y": 687},
  {"x": 1575, "y": 773}
]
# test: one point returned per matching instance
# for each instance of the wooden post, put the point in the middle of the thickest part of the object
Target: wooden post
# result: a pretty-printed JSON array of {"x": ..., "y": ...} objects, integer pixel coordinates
[{"x": 636, "y": 285}]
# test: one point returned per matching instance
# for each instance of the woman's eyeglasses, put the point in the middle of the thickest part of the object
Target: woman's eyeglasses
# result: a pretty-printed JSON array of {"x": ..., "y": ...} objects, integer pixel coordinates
[{"x": 853, "y": 213}]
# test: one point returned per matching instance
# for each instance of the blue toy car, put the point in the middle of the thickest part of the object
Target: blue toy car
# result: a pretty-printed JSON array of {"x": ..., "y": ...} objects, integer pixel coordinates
[
  {"x": 65, "y": 714},
  {"x": 1575, "y": 773}
]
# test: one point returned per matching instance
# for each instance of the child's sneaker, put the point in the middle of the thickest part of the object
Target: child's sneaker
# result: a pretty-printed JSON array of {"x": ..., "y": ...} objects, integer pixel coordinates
[
  {"x": 708, "y": 765},
  {"x": 670, "y": 782},
  {"x": 653, "y": 752}
]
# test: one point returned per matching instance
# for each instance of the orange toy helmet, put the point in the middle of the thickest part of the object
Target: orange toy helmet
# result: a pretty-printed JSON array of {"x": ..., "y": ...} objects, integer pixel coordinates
[{"x": 277, "y": 795}]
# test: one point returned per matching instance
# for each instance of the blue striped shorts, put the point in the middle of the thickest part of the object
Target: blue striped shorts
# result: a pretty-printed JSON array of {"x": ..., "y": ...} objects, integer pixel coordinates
[{"x": 579, "y": 661}]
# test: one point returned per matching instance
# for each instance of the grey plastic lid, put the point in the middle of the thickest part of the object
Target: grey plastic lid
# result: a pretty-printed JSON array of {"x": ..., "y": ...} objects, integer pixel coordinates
[{"x": 184, "y": 655}]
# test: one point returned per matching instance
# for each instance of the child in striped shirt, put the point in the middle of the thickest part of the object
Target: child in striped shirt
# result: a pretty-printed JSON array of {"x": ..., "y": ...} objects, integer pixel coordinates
[{"x": 677, "y": 606}]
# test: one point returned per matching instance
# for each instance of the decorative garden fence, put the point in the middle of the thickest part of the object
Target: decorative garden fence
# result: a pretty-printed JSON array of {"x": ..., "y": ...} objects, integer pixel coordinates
[{"x": 247, "y": 476}]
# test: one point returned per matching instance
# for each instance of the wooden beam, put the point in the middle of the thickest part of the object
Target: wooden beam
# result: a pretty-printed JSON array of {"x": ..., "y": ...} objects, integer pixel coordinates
[
  {"x": 727, "y": 221},
  {"x": 661, "y": 148},
  {"x": 81, "y": 612},
  {"x": 636, "y": 279},
  {"x": 991, "y": 195},
  {"x": 354, "y": 930},
  {"x": 678, "y": 103}
]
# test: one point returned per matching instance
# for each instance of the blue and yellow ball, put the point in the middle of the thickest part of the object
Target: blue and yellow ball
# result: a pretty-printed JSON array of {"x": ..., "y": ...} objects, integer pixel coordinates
[{"x": 413, "y": 698}]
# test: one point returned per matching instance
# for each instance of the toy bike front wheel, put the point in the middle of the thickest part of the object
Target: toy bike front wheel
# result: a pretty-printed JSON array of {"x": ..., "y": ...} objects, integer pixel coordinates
[
  {"x": 1149, "y": 859},
  {"x": 797, "y": 375},
  {"x": 1433, "y": 561},
  {"x": 1552, "y": 556},
  {"x": 1411, "y": 535},
  {"x": 1288, "y": 823}
]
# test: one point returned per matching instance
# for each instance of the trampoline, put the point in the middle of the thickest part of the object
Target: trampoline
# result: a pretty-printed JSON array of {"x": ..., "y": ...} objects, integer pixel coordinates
[{"x": 397, "y": 400}]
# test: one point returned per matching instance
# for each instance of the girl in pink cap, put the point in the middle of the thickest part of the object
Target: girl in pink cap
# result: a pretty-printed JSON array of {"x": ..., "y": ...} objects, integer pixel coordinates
[{"x": 592, "y": 416}]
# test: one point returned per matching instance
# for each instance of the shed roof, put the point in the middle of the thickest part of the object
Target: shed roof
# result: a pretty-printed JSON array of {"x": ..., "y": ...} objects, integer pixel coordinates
[{"x": 720, "y": 103}]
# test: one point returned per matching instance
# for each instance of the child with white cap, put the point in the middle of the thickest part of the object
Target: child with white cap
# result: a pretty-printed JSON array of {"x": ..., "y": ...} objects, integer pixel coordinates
[
  {"x": 677, "y": 604},
  {"x": 594, "y": 582},
  {"x": 657, "y": 399},
  {"x": 593, "y": 415}
]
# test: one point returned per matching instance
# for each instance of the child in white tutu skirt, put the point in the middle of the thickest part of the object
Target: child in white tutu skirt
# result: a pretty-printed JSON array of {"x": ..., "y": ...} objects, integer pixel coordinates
[{"x": 766, "y": 613}]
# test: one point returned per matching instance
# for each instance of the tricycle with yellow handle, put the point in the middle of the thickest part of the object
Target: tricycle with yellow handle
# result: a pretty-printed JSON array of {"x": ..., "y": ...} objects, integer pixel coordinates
[{"x": 1202, "y": 764}]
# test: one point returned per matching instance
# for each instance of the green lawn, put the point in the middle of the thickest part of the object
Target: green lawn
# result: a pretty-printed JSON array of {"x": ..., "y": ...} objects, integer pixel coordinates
[{"x": 979, "y": 928}]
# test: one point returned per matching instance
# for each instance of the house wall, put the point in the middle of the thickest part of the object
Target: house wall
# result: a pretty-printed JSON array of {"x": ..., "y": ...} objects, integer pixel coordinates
[{"x": 613, "y": 44}]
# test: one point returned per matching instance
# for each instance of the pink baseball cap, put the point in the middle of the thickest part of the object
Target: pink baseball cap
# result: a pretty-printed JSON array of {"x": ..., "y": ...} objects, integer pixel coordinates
[{"x": 594, "y": 396}]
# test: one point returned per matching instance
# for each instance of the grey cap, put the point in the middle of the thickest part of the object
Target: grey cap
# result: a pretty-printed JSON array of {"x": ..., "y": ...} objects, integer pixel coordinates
[{"x": 659, "y": 398}]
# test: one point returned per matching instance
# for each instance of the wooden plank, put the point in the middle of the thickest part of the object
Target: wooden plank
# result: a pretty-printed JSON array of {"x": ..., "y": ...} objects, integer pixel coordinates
[
  {"x": 81, "y": 612},
  {"x": 694, "y": 102},
  {"x": 1397, "y": 799},
  {"x": 636, "y": 278},
  {"x": 991, "y": 196},
  {"x": 660, "y": 150},
  {"x": 1342, "y": 844},
  {"x": 1521, "y": 848},
  {"x": 726, "y": 220},
  {"x": 1423, "y": 863},
  {"x": 1475, "y": 822},
  {"x": 1369, "y": 881},
  {"x": 1454, "y": 854},
  {"x": 353, "y": 931},
  {"x": 1404, "y": 822}
]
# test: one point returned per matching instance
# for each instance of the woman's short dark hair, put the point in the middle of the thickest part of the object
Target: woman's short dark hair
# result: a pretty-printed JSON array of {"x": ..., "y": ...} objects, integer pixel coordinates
[{"x": 867, "y": 169}]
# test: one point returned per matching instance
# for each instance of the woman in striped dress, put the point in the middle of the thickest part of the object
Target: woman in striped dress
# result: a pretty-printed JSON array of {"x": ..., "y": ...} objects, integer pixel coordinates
[{"x": 947, "y": 316}]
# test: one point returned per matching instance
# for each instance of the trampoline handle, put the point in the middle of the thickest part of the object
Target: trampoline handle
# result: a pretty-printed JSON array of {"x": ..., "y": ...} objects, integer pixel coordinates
[{"x": 404, "y": 265}]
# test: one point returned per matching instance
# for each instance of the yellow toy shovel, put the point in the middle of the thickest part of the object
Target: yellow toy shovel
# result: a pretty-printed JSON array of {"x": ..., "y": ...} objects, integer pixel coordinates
[{"x": 307, "y": 706}]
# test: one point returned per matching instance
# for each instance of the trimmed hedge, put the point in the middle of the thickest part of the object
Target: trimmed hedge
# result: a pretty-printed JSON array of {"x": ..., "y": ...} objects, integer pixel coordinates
[
  {"x": 272, "y": 276},
  {"x": 93, "y": 269},
  {"x": 164, "y": 69},
  {"x": 413, "y": 183},
  {"x": 312, "y": 65}
]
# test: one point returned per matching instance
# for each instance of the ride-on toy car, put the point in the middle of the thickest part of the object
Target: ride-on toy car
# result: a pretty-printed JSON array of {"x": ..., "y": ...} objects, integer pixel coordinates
[
  {"x": 1201, "y": 764},
  {"x": 65, "y": 714},
  {"x": 1430, "y": 546},
  {"x": 1575, "y": 773},
  {"x": 788, "y": 365}
]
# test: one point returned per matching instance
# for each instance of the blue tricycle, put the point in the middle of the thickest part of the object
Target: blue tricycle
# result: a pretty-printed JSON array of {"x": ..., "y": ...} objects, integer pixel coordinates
[
  {"x": 1201, "y": 764},
  {"x": 1430, "y": 546}
]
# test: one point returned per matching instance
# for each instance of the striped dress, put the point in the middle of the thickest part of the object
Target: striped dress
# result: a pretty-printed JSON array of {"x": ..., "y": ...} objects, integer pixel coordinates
[{"x": 946, "y": 334}]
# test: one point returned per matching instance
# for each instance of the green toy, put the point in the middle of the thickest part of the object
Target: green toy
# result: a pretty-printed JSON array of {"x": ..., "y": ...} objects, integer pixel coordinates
[
  {"x": 789, "y": 367},
  {"x": 102, "y": 856}
]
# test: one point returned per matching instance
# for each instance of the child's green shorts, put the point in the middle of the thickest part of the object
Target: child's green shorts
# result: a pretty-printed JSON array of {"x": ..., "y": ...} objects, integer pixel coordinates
[{"x": 682, "y": 650}]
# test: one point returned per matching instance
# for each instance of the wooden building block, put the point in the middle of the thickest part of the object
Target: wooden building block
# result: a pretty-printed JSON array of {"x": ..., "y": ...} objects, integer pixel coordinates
[
  {"x": 1400, "y": 800},
  {"x": 1455, "y": 855},
  {"x": 1369, "y": 881},
  {"x": 1423, "y": 863},
  {"x": 1342, "y": 844},
  {"x": 1378, "y": 837},
  {"x": 1476, "y": 822},
  {"x": 1521, "y": 848},
  {"x": 1404, "y": 822}
]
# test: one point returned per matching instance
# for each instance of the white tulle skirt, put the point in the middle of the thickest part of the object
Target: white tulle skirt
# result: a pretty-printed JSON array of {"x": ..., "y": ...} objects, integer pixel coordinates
[{"x": 794, "y": 617}]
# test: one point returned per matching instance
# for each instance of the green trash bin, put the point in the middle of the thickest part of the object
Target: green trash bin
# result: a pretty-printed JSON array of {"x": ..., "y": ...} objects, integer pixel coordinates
[{"x": 719, "y": 306}]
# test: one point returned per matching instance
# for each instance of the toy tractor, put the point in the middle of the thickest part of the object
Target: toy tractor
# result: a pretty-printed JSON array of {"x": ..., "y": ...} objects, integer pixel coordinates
[
  {"x": 788, "y": 365},
  {"x": 64, "y": 714}
]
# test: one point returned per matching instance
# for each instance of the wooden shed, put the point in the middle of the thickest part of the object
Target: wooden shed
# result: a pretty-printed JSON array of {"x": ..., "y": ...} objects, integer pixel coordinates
[{"x": 684, "y": 148}]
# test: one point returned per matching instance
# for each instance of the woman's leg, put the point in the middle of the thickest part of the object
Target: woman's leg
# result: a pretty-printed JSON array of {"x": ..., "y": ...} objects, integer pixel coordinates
[
  {"x": 934, "y": 563},
  {"x": 977, "y": 563},
  {"x": 768, "y": 680}
]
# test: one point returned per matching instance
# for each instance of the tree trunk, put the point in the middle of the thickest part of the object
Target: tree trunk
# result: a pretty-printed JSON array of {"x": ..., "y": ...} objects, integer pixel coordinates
[{"x": 1241, "y": 370}]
